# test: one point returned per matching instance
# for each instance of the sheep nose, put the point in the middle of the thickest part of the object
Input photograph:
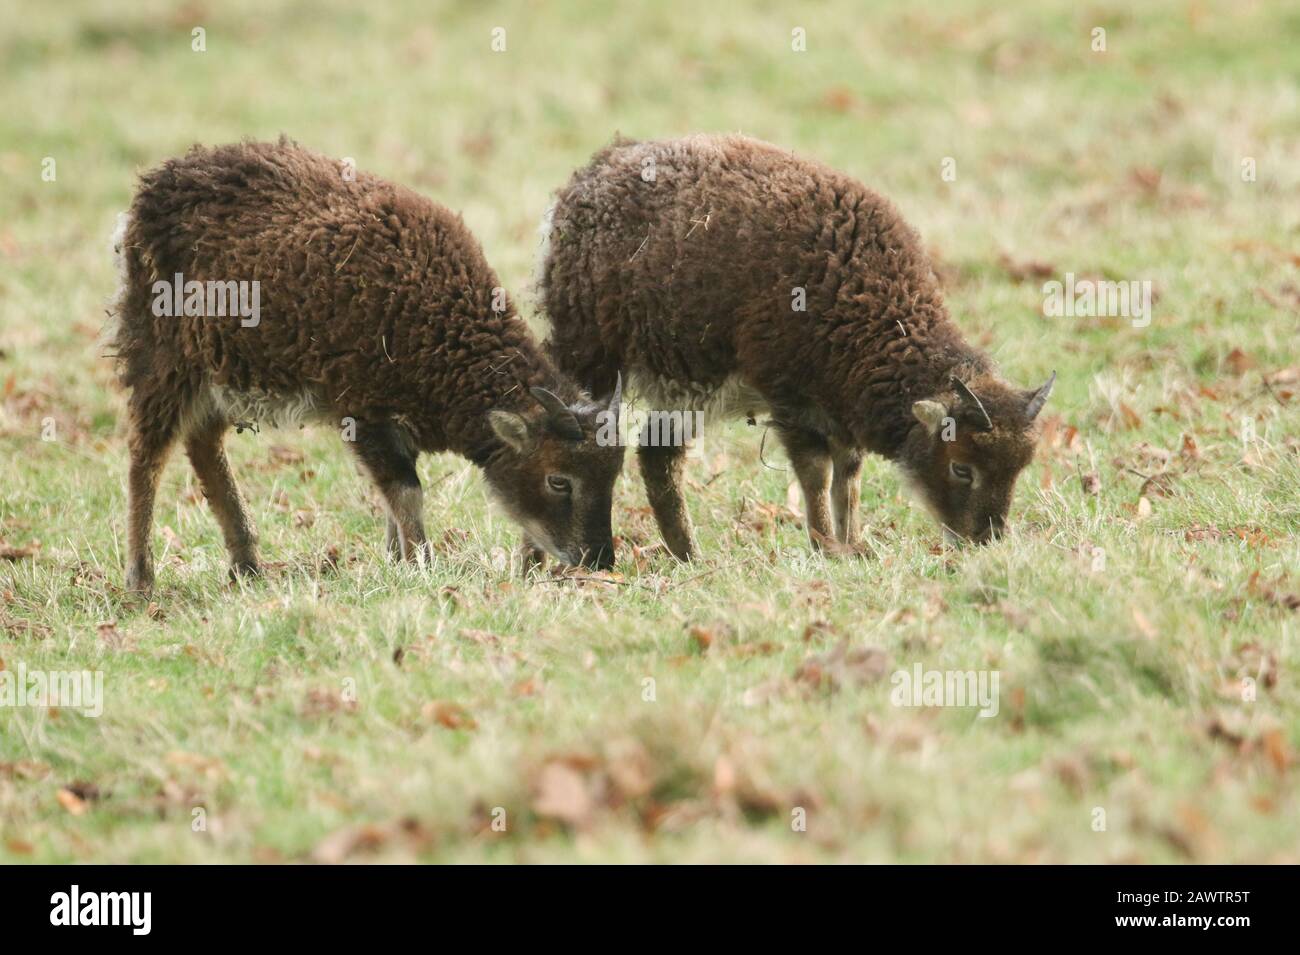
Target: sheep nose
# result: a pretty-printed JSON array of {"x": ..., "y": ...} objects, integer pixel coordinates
[{"x": 991, "y": 531}]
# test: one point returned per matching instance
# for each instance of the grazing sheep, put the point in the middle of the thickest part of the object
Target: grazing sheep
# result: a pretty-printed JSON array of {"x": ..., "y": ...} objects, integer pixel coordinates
[
  {"x": 265, "y": 283},
  {"x": 722, "y": 274}
]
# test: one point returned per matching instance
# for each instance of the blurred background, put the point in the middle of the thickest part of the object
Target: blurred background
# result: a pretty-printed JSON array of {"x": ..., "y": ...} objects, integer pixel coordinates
[{"x": 1123, "y": 159}]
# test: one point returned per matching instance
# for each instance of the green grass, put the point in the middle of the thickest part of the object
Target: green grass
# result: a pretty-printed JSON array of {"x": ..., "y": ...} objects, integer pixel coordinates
[{"x": 381, "y": 712}]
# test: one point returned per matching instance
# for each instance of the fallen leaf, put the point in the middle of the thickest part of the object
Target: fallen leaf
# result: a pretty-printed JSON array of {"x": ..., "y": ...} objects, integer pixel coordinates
[
  {"x": 370, "y": 838},
  {"x": 70, "y": 801},
  {"x": 1021, "y": 271},
  {"x": 1276, "y": 748},
  {"x": 1238, "y": 362},
  {"x": 562, "y": 795},
  {"x": 628, "y": 766},
  {"x": 839, "y": 99},
  {"x": 111, "y": 636},
  {"x": 451, "y": 715},
  {"x": 843, "y": 666},
  {"x": 1146, "y": 178},
  {"x": 279, "y": 454}
]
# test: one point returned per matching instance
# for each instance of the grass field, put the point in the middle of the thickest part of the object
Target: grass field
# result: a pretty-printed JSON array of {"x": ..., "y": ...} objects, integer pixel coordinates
[{"x": 1141, "y": 616}]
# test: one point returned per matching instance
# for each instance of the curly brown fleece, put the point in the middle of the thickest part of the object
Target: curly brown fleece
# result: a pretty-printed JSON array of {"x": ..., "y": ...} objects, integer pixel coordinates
[
  {"x": 375, "y": 300},
  {"x": 684, "y": 261},
  {"x": 378, "y": 314}
]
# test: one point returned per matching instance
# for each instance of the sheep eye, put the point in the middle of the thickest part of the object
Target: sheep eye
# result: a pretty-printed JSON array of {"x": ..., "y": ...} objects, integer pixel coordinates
[
  {"x": 961, "y": 472},
  {"x": 560, "y": 485}
]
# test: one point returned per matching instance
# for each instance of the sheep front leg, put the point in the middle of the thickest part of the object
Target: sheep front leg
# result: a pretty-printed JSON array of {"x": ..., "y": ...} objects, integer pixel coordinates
[
  {"x": 845, "y": 492},
  {"x": 811, "y": 458},
  {"x": 390, "y": 461},
  {"x": 663, "y": 469}
]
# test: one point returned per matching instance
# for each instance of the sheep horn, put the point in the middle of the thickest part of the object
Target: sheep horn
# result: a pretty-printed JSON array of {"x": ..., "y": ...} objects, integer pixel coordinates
[
  {"x": 1039, "y": 398},
  {"x": 561, "y": 418},
  {"x": 616, "y": 401},
  {"x": 969, "y": 397}
]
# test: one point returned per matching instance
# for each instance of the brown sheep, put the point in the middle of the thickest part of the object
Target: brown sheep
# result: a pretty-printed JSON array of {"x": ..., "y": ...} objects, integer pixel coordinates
[
  {"x": 265, "y": 283},
  {"x": 722, "y": 274}
]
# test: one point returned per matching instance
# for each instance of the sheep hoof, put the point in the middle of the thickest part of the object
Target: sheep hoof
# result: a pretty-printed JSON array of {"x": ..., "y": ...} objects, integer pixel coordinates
[
  {"x": 139, "y": 581},
  {"x": 686, "y": 553},
  {"x": 827, "y": 545},
  {"x": 244, "y": 570}
]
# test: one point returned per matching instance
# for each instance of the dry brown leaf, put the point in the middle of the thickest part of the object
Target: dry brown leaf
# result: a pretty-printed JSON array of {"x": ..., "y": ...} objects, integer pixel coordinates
[
  {"x": 718, "y": 633},
  {"x": 1276, "y": 748},
  {"x": 1238, "y": 362},
  {"x": 628, "y": 765},
  {"x": 449, "y": 714},
  {"x": 279, "y": 454},
  {"x": 839, "y": 99},
  {"x": 561, "y": 794},
  {"x": 1146, "y": 178},
  {"x": 70, "y": 801},
  {"x": 841, "y": 667},
  {"x": 25, "y": 769},
  {"x": 111, "y": 636},
  {"x": 482, "y": 637},
  {"x": 368, "y": 838},
  {"x": 1029, "y": 269}
]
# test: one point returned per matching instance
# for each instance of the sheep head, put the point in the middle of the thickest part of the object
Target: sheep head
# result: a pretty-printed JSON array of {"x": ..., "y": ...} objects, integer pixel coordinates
[
  {"x": 967, "y": 449},
  {"x": 555, "y": 478}
]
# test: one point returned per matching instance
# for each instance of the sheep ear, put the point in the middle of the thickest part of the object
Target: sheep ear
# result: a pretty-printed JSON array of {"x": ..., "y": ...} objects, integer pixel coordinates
[
  {"x": 512, "y": 429},
  {"x": 930, "y": 414}
]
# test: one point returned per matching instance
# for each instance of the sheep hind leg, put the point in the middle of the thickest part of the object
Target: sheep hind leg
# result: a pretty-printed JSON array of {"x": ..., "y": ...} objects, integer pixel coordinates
[
  {"x": 154, "y": 423},
  {"x": 663, "y": 470},
  {"x": 389, "y": 459},
  {"x": 204, "y": 447},
  {"x": 846, "y": 486},
  {"x": 811, "y": 458}
]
